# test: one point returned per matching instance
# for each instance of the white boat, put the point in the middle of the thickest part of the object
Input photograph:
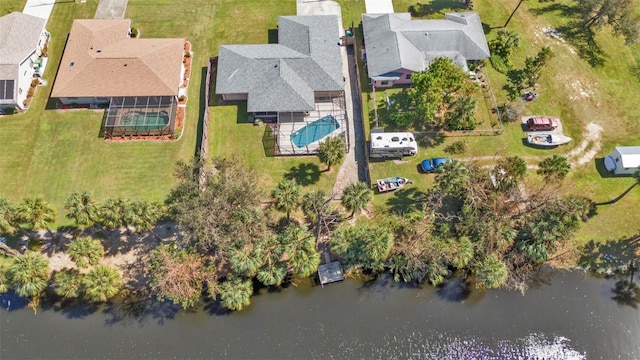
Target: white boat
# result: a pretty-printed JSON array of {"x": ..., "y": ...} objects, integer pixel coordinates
[
  {"x": 547, "y": 139},
  {"x": 392, "y": 183}
]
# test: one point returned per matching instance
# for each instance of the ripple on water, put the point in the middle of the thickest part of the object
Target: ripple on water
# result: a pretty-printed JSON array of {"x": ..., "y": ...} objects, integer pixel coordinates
[{"x": 444, "y": 347}]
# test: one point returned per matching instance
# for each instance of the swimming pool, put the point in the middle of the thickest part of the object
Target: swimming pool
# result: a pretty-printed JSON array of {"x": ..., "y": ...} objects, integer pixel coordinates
[{"x": 315, "y": 131}]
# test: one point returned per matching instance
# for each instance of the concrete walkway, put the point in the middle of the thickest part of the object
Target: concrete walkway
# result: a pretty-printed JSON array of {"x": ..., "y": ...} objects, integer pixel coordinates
[{"x": 39, "y": 8}]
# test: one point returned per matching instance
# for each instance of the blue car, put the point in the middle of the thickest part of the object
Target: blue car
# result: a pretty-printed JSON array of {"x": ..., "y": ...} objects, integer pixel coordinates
[{"x": 429, "y": 165}]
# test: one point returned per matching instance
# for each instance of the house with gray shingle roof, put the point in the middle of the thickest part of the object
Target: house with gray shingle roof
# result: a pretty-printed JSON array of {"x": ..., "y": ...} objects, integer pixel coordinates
[
  {"x": 290, "y": 84},
  {"x": 396, "y": 46},
  {"x": 22, "y": 39}
]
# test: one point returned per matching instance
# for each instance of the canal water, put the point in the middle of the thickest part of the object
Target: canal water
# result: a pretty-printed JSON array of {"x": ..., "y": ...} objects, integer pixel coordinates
[{"x": 569, "y": 315}]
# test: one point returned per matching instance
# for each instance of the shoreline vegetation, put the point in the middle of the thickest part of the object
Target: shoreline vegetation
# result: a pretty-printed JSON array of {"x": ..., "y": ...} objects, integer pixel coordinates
[{"x": 218, "y": 240}]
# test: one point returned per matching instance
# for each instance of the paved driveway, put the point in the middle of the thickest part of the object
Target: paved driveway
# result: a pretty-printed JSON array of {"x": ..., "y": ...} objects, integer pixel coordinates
[
  {"x": 379, "y": 6},
  {"x": 318, "y": 7},
  {"x": 111, "y": 9},
  {"x": 39, "y": 8}
]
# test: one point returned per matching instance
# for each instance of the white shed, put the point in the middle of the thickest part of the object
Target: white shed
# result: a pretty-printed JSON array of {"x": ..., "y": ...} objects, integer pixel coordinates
[{"x": 623, "y": 160}]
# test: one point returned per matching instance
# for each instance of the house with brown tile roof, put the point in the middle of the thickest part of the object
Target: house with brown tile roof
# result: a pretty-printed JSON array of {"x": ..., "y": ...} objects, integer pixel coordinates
[
  {"x": 22, "y": 40},
  {"x": 138, "y": 80}
]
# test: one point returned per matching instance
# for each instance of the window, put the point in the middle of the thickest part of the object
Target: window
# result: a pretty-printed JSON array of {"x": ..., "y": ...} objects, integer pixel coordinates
[
  {"x": 384, "y": 82},
  {"x": 6, "y": 89},
  {"x": 408, "y": 77}
]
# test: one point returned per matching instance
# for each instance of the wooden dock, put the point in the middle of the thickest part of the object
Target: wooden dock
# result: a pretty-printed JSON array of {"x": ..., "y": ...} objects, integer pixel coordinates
[{"x": 331, "y": 272}]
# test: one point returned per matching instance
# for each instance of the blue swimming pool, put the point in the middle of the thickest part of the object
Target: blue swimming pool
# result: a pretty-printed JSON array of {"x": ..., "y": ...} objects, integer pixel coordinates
[{"x": 315, "y": 131}]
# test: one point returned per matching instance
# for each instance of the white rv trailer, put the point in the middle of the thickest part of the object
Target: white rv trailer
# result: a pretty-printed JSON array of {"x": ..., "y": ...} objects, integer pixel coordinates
[{"x": 392, "y": 145}]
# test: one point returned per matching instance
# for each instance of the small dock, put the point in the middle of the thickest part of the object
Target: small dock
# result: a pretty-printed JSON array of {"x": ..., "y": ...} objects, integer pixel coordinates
[{"x": 329, "y": 273}]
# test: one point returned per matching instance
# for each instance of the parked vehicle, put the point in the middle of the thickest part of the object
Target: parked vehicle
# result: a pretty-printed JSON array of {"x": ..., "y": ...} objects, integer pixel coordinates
[
  {"x": 429, "y": 165},
  {"x": 542, "y": 123},
  {"x": 392, "y": 183},
  {"x": 392, "y": 145}
]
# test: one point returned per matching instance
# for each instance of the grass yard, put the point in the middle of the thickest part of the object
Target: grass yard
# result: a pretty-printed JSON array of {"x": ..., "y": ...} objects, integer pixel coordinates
[
  {"x": 9, "y": 6},
  {"x": 569, "y": 88}
]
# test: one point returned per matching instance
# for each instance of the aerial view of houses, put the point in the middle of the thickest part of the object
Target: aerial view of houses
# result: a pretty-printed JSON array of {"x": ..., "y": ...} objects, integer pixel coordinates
[{"x": 433, "y": 178}]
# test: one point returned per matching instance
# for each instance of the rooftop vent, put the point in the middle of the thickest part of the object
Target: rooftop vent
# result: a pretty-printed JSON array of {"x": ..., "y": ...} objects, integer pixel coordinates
[{"x": 71, "y": 63}]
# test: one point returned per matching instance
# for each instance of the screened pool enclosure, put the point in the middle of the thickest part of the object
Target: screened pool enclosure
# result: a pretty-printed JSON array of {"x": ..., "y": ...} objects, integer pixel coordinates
[{"x": 141, "y": 116}]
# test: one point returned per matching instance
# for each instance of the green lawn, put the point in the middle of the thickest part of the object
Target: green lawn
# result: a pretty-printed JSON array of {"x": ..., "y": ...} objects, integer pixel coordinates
[
  {"x": 9, "y": 6},
  {"x": 569, "y": 88}
]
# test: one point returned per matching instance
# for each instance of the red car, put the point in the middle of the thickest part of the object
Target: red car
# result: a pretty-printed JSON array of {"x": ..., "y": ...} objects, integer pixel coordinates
[{"x": 539, "y": 123}]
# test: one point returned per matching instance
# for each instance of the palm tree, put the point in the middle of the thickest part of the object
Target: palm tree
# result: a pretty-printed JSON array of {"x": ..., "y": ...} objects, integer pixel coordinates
[
  {"x": 272, "y": 274},
  {"x": 28, "y": 275},
  {"x": 235, "y": 293},
  {"x": 7, "y": 215},
  {"x": 299, "y": 244},
  {"x": 491, "y": 272},
  {"x": 306, "y": 260},
  {"x": 356, "y": 197},
  {"x": 332, "y": 151},
  {"x": 101, "y": 283},
  {"x": 85, "y": 251},
  {"x": 245, "y": 262},
  {"x": 82, "y": 209},
  {"x": 143, "y": 216},
  {"x": 554, "y": 168},
  {"x": 113, "y": 213},
  {"x": 37, "y": 214},
  {"x": 68, "y": 283},
  {"x": 287, "y": 196}
]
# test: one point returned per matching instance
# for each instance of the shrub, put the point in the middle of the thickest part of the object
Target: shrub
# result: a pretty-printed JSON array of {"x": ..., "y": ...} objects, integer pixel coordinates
[
  {"x": 182, "y": 98},
  {"x": 35, "y": 82},
  {"x": 134, "y": 32},
  {"x": 31, "y": 92},
  {"x": 457, "y": 147},
  {"x": 187, "y": 54}
]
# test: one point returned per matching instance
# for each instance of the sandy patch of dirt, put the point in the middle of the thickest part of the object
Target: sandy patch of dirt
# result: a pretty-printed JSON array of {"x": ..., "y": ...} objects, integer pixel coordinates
[
  {"x": 125, "y": 250},
  {"x": 578, "y": 156}
]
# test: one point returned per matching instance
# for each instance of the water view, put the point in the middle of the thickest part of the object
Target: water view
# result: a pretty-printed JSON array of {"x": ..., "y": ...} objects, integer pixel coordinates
[{"x": 569, "y": 315}]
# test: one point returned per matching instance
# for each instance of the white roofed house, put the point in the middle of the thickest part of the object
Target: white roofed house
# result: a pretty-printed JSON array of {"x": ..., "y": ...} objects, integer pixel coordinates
[
  {"x": 296, "y": 85},
  {"x": 22, "y": 41},
  {"x": 396, "y": 46},
  {"x": 623, "y": 160}
]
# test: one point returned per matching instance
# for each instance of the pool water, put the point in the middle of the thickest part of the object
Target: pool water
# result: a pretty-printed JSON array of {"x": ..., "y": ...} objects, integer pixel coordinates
[{"x": 315, "y": 131}]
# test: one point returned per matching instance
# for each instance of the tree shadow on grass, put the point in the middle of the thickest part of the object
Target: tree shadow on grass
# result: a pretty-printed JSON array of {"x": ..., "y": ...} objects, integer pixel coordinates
[
  {"x": 430, "y": 140},
  {"x": 405, "y": 200},
  {"x": 609, "y": 256},
  {"x": 583, "y": 40},
  {"x": 435, "y": 7},
  {"x": 305, "y": 174}
]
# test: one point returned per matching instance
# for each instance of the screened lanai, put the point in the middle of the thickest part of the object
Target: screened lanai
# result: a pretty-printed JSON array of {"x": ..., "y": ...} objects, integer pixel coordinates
[{"x": 141, "y": 116}]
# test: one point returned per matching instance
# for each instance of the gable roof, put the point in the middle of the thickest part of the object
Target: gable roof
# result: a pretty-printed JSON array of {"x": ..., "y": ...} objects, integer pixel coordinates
[
  {"x": 629, "y": 156},
  {"x": 394, "y": 41},
  {"x": 101, "y": 60},
  {"x": 19, "y": 35},
  {"x": 284, "y": 76}
]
